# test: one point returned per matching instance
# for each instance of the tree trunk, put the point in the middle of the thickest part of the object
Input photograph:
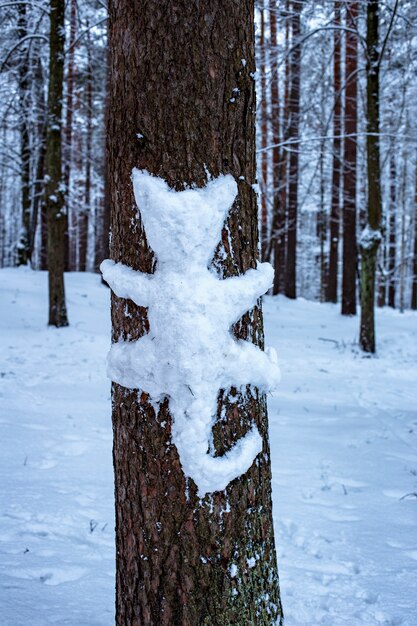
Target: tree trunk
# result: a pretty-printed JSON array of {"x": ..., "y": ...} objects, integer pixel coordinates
[
  {"x": 275, "y": 125},
  {"x": 102, "y": 224},
  {"x": 350, "y": 253},
  {"x": 279, "y": 166},
  {"x": 331, "y": 290},
  {"x": 371, "y": 237},
  {"x": 294, "y": 123},
  {"x": 23, "y": 255},
  {"x": 392, "y": 249},
  {"x": 414, "y": 283},
  {"x": 179, "y": 116},
  {"x": 39, "y": 182},
  {"x": 70, "y": 233},
  {"x": 54, "y": 189},
  {"x": 86, "y": 209},
  {"x": 403, "y": 242},
  {"x": 264, "y": 139}
]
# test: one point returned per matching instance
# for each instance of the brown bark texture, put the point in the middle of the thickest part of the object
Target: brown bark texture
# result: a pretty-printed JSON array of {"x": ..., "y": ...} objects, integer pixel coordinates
[
  {"x": 350, "y": 252},
  {"x": 294, "y": 124},
  {"x": 369, "y": 246},
  {"x": 278, "y": 164},
  {"x": 264, "y": 139},
  {"x": 54, "y": 189},
  {"x": 331, "y": 287},
  {"x": 182, "y": 104}
]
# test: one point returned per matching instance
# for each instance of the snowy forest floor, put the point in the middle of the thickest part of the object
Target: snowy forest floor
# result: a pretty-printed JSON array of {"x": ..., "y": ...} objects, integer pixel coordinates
[{"x": 344, "y": 452}]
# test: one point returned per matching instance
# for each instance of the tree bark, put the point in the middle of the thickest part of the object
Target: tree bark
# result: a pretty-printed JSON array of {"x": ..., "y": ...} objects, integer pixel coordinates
[
  {"x": 70, "y": 233},
  {"x": 414, "y": 282},
  {"x": 294, "y": 124},
  {"x": 392, "y": 249},
  {"x": 331, "y": 287},
  {"x": 185, "y": 86},
  {"x": 370, "y": 242},
  {"x": 350, "y": 253},
  {"x": 55, "y": 186},
  {"x": 264, "y": 139},
  {"x": 23, "y": 253},
  {"x": 278, "y": 234},
  {"x": 86, "y": 208},
  {"x": 102, "y": 217},
  {"x": 39, "y": 182}
]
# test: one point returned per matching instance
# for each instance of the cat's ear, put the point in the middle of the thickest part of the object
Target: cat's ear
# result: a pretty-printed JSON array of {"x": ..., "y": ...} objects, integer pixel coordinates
[
  {"x": 150, "y": 192},
  {"x": 220, "y": 193}
]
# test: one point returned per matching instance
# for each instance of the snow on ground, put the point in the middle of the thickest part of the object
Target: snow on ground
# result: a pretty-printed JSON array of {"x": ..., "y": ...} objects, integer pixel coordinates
[{"x": 344, "y": 448}]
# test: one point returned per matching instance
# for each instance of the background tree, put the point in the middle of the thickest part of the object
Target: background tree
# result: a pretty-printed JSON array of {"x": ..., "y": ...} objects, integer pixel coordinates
[
  {"x": 349, "y": 162},
  {"x": 55, "y": 185},
  {"x": 294, "y": 123},
  {"x": 331, "y": 289},
  {"x": 24, "y": 57},
  {"x": 414, "y": 284}
]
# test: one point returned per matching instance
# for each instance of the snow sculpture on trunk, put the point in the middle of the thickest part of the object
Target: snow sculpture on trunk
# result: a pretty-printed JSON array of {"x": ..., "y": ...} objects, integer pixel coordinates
[{"x": 190, "y": 352}]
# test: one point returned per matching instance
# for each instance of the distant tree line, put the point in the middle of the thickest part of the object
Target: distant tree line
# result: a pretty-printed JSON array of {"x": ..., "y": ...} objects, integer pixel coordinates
[{"x": 337, "y": 153}]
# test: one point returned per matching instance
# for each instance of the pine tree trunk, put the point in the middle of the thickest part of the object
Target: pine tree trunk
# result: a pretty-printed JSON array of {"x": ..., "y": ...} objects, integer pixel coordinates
[
  {"x": 69, "y": 116},
  {"x": 174, "y": 551},
  {"x": 414, "y": 282},
  {"x": 294, "y": 123},
  {"x": 23, "y": 254},
  {"x": 278, "y": 235},
  {"x": 331, "y": 290},
  {"x": 350, "y": 254},
  {"x": 39, "y": 182},
  {"x": 102, "y": 222},
  {"x": 392, "y": 250},
  {"x": 403, "y": 241},
  {"x": 86, "y": 209},
  {"x": 54, "y": 189},
  {"x": 371, "y": 239},
  {"x": 264, "y": 139}
]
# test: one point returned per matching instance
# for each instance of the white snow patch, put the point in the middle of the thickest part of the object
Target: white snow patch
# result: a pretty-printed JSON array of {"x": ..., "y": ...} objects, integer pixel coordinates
[{"x": 370, "y": 237}]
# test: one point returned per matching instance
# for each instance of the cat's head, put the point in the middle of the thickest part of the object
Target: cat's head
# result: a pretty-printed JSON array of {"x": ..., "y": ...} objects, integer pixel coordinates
[{"x": 183, "y": 227}]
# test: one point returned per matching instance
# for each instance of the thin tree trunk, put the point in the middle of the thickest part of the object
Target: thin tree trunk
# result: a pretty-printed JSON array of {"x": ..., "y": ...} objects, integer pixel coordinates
[
  {"x": 264, "y": 138},
  {"x": 277, "y": 234},
  {"x": 332, "y": 282},
  {"x": 102, "y": 225},
  {"x": 23, "y": 245},
  {"x": 55, "y": 186},
  {"x": 414, "y": 281},
  {"x": 39, "y": 182},
  {"x": 175, "y": 551},
  {"x": 403, "y": 252},
  {"x": 392, "y": 249},
  {"x": 70, "y": 233},
  {"x": 86, "y": 209},
  {"x": 322, "y": 222},
  {"x": 294, "y": 123},
  {"x": 279, "y": 220},
  {"x": 350, "y": 254},
  {"x": 371, "y": 237}
]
